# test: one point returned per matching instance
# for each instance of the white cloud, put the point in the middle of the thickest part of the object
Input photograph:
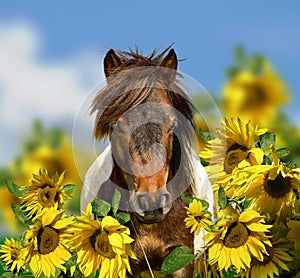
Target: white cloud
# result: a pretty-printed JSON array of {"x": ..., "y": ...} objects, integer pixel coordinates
[{"x": 31, "y": 88}]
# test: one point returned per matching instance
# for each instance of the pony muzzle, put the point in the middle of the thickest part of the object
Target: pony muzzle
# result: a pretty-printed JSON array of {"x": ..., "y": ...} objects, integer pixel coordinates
[{"x": 151, "y": 207}]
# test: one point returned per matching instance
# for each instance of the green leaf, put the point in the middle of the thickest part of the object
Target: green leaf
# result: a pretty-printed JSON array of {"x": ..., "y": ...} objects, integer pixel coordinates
[
  {"x": 95, "y": 275},
  {"x": 69, "y": 188},
  {"x": 122, "y": 217},
  {"x": 206, "y": 136},
  {"x": 279, "y": 232},
  {"x": 5, "y": 174},
  {"x": 255, "y": 63},
  {"x": 71, "y": 262},
  {"x": 57, "y": 272},
  {"x": 247, "y": 203},
  {"x": 20, "y": 214},
  {"x": 27, "y": 275},
  {"x": 8, "y": 275},
  {"x": 14, "y": 189},
  {"x": 222, "y": 198},
  {"x": 283, "y": 152},
  {"x": 204, "y": 203},
  {"x": 230, "y": 274},
  {"x": 203, "y": 162},
  {"x": 231, "y": 72},
  {"x": 177, "y": 259},
  {"x": 267, "y": 160},
  {"x": 239, "y": 55},
  {"x": 116, "y": 201},
  {"x": 188, "y": 199},
  {"x": 100, "y": 207},
  {"x": 291, "y": 164},
  {"x": 1, "y": 268},
  {"x": 267, "y": 139}
]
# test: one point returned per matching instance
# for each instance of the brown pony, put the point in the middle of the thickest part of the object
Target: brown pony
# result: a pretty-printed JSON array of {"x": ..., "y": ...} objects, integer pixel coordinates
[{"x": 149, "y": 121}]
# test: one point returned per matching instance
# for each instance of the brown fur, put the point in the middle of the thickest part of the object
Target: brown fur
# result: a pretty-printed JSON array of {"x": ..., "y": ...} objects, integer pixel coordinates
[
  {"x": 159, "y": 239},
  {"x": 118, "y": 97}
]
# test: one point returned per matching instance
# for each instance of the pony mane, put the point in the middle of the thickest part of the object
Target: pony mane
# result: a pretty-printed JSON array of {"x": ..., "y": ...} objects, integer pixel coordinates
[{"x": 131, "y": 84}]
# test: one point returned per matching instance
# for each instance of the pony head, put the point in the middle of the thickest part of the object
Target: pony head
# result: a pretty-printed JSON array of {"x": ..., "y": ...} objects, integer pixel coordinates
[{"x": 148, "y": 119}]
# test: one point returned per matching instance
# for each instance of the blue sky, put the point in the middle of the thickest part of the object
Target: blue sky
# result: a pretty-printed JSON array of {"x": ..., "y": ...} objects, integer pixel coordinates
[
  {"x": 204, "y": 32},
  {"x": 70, "y": 37}
]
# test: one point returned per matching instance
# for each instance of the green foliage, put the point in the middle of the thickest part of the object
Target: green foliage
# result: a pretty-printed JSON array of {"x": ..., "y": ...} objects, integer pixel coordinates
[
  {"x": 20, "y": 215},
  {"x": 255, "y": 62},
  {"x": 69, "y": 188},
  {"x": 230, "y": 274},
  {"x": 279, "y": 232},
  {"x": 14, "y": 189},
  {"x": 283, "y": 152},
  {"x": 8, "y": 275},
  {"x": 177, "y": 259},
  {"x": 5, "y": 175},
  {"x": 1, "y": 268},
  {"x": 71, "y": 262},
  {"x": 122, "y": 217},
  {"x": 206, "y": 136},
  {"x": 27, "y": 275},
  {"x": 266, "y": 140},
  {"x": 116, "y": 201},
  {"x": 52, "y": 137},
  {"x": 222, "y": 198},
  {"x": 239, "y": 54},
  {"x": 100, "y": 208},
  {"x": 243, "y": 62},
  {"x": 246, "y": 204},
  {"x": 188, "y": 199}
]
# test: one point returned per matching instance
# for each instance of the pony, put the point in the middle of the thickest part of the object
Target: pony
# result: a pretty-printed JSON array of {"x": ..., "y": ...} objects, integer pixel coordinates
[{"x": 150, "y": 158}]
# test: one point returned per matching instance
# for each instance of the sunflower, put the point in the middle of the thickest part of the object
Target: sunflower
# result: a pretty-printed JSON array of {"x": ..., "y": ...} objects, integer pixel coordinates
[
  {"x": 272, "y": 189},
  {"x": 46, "y": 243},
  {"x": 237, "y": 238},
  {"x": 12, "y": 224},
  {"x": 54, "y": 158},
  {"x": 103, "y": 246},
  {"x": 13, "y": 254},
  {"x": 255, "y": 96},
  {"x": 271, "y": 263},
  {"x": 234, "y": 146},
  {"x": 197, "y": 217},
  {"x": 294, "y": 233},
  {"x": 43, "y": 193}
]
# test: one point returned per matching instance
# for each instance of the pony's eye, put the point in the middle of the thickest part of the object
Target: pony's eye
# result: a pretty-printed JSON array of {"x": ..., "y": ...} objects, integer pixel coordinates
[
  {"x": 173, "y": 124},
  {"x": 120, "y": 125},
  {"x": 117, "y": 126}
]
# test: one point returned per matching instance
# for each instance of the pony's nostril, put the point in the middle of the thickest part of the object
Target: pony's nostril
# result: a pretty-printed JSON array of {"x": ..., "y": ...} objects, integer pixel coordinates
[
  {"x": 165, "y": 199},
  {"x": 142, "y": 202}
]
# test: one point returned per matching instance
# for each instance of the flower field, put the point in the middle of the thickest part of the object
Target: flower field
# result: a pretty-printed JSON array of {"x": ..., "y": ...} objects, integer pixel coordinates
[{"x": 252, "y": 161}]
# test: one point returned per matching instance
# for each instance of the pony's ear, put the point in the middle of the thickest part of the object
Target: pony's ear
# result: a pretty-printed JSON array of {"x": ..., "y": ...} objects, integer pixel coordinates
[
  {"x": 170, "y": 61},
  {"x": 111, "y": 62}
]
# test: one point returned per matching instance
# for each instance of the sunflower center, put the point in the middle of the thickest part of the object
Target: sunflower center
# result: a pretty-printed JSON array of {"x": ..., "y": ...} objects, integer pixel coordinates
[
  {"x": 236, "y": 236},
  {"x": 47, "y": 196},
  {"x": 256, "y": 96},
  {"x": 48, "y": 240},
  {"x": 235, "y": 154},
  {"x": 278, "y": 187},
  {"x": 101, "y": 245},
  {"x": 198, "y": 218},
  {"x": 13, "y": 255}
]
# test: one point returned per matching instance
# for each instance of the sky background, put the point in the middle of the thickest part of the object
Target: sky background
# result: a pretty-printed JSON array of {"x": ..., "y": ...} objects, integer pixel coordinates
[{"x": 51, "y": 52}]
